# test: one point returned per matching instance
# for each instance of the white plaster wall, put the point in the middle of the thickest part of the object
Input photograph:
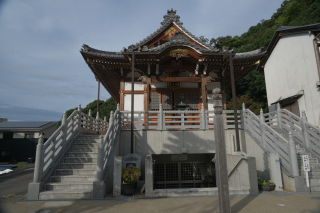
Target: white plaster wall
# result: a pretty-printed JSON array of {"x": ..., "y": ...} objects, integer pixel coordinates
[
  {"x": 138, "y": 102},
  {"x": 137, "y": 86},
  {"x": 36, "y": 135},
  {"x": 18, "y": 135},
  {"x": 159, "y": 85},
  {"x": 292, "y": 67},
  {"x": 48, "y": 131}
]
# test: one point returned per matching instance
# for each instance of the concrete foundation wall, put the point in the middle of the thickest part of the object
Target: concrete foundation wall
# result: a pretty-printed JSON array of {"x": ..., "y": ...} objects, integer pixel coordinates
[
  {"x": 245, "y": 174},
  {"x": 254, "y": 150},
  {"x": 109, "y": 180}
]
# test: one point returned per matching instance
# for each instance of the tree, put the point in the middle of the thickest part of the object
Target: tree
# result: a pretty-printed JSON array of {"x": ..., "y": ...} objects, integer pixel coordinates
[
  {"x": 105, "y": 107},
  {"x": 249, "y": 104}
]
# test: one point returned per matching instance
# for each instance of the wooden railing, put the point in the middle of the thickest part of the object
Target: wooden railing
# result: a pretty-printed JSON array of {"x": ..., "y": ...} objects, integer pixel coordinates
[{"x": 177, "y": 120}]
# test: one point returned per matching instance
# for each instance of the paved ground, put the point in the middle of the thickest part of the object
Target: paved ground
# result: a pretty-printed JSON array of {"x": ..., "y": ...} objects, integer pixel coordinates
[
  {"x": 273, "y": 202},
  {"x": 16, "y": 182}
]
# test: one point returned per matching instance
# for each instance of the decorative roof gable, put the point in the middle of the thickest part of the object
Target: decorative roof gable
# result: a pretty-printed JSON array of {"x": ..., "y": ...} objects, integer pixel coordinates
[{"x": 170, "y": 18}]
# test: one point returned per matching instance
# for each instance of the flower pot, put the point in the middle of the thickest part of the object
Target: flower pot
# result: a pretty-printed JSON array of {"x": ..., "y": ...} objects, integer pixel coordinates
[
  {"x": 128, "y": 189},
  {"x": 267, "y": 188}
]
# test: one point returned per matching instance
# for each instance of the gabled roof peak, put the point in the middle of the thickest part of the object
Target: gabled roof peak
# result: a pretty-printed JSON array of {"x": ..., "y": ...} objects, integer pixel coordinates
[{"x": 171, "y": 17}]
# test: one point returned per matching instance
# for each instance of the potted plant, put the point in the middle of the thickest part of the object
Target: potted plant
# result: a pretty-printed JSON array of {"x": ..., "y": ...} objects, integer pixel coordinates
[
  {"x": 129, "y": 177},
  {"x": 266, "y": 185}
]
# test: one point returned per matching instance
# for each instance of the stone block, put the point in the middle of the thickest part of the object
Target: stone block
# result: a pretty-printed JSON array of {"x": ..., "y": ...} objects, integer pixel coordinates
[{"x": 117, "y": 176}]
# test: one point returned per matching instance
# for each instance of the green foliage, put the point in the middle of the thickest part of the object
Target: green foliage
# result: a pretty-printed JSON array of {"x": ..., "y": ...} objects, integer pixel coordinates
[
  {"x": 20, "y": 165},
  {"x": 105, "y": 107},
  {"x": 130, "y": 175},
  {"x": 249, "y": 103},
  {"x": 291, "y": 13}
]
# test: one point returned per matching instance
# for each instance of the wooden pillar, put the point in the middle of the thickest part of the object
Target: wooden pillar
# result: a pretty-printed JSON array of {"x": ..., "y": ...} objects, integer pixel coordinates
[
  {"x": 147, "y": 93},
  {"x": 234, "y": 98},
  {"x": 204, "y": 92},
  {"x": 132, "y": 99},
  {"x": 121, "y": 94},
  {"x": 98, "y": 97},
  {"x": 223, "y": 88}
]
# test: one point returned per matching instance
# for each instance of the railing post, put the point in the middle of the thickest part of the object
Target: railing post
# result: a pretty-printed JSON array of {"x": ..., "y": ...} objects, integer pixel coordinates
[
  {"x": 262, "y": 129},
  {"x": 38, "y": 168},
  {"x": 303, "y": 121},
  {"x": 97, "y": 124},
  {"x": 64, "y": 124},
  {"x": 182, "y": 120},
  {"x": 100, "y": 160},
  {"x": 203, "y": 117},
  {"x": 111, "y": 118},
  {"x": 80, "y": 117},
  {"x": 279, "y": 115},
  {"x": 89, "y": 117},
  {"x": 242, "y": 116},
  {"x": 293, "y": 156},
  {"x": 160, "y": 119}
]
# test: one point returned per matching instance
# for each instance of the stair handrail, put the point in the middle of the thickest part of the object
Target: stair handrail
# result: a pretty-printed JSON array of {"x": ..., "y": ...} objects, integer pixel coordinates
[
  {"x": 106, "y": 145},
  {"x": 304, "y": 133},
  {"x": 47, "y": 153},
  {"x": 270, "y": 140}
]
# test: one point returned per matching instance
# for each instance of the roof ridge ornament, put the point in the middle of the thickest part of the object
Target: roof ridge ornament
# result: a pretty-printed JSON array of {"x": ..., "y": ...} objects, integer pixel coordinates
[{"x": 171, "y": 17}]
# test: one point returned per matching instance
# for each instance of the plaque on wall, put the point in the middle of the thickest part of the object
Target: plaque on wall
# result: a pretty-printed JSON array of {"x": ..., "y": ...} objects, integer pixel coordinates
[{"x": 178, "y": 157}]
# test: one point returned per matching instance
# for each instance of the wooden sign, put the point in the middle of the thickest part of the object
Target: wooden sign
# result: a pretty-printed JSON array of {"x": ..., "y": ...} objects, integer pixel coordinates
[{"x": 179, "y": 157}]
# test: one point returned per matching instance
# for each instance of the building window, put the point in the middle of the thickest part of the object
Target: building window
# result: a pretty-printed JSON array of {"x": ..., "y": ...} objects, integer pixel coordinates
[
  {"x": 8, "y": 135},
  {"x": 166, "y": 101},
  {"x": 155, "y": 101},
  {"x": 28, "y": 135}
]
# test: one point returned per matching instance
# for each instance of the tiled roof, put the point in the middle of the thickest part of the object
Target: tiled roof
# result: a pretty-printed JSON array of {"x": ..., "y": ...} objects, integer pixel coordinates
[
  {"x": 178, "y": 39},
  {"x": 26, "y": 125},
  {"x": 87, "y": 49},
  {"x": 250, "y": 54},
  {"x": 170, "y": 18}
]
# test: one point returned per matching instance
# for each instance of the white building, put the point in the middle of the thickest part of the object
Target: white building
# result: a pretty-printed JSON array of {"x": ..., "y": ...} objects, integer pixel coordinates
[{"x": 292, "y": 70}]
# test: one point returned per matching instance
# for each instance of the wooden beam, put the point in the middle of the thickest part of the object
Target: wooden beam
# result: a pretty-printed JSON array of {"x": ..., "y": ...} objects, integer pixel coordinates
[
  {"x": 204, "y": 92},
  {"x": 121, "y": 94},
  {"x": 180, "y": 79}
]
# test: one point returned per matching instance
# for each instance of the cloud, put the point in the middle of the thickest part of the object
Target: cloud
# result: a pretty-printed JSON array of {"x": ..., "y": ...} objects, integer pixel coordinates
[
  {"x": 28, "y": 114},
  {"x": 40, "y": 63}
]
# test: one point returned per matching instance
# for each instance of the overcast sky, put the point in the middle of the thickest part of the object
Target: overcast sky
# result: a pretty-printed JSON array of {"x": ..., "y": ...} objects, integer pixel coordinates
[{"x": 42, "y": 72}]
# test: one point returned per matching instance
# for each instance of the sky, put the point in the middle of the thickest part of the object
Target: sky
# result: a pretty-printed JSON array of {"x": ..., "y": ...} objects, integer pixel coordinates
[{"x": 42, "y": 73}]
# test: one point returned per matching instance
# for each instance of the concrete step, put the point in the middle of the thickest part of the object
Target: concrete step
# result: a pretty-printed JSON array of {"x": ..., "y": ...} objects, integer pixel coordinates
[
  {"x": 85, "y": 145},
  {"x": 314, "y": 182},
  {"x": 65, "y": 194},
  {"x": 69, "y": 186},
  {"x": 83, "y": 149},
  {"x": 73, "y": 178},
  {"x": 86, "y": 141},
  {"x": 78, "y": 165},
  {"x": 88, "y": 137},
  {"x": 311, "y": 160},
  {"x": 84, "y": 172},
  {"x": 197, "y": 191},
  {"x": 80, "y": 160},
  {"x": 82, "y": 154},
  {"x": 312, "y": 174}
]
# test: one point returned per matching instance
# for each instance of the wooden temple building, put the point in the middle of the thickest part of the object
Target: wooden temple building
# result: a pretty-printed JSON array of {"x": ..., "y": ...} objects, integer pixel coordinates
[{"x": 171, "y": 66}]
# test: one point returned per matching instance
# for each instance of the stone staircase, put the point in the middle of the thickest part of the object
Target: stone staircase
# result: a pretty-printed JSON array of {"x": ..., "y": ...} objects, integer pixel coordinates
[
  {"x": 314, "y": 174},
  {"x": 76, "y": 174}
]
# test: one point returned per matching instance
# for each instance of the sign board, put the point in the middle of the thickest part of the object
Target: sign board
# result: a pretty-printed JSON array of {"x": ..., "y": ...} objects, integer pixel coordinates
[
  {"x": 306, "y": 165},
  {"x": 178, "y": 157}
]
